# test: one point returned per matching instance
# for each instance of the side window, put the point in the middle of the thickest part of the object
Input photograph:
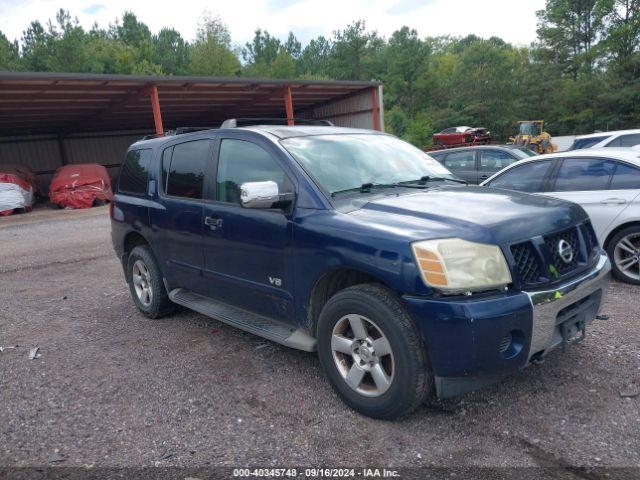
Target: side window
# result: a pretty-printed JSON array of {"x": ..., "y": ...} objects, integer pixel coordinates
[
  {"x": 494, "y": 160},
  {"x": 625, "y": 141},
  {"x": 134, "y": 177},
  {"x": 241, "y": 161},
  {"x": 527, "y": 177},
  {"x": 626, "y": 177},
  {"x": 186, "y": 170},
  {"x": 460, "y": 161},
  {"x": 584, "y": 174},
  {"x": 166, "y": 164}
]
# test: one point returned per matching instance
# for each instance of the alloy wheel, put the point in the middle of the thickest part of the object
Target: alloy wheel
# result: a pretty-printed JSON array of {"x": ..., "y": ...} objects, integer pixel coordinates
[
  {"x": 626, "y": 255},
  {"x": 142, "y": 282},
  {"x": 363, "y": 355}
]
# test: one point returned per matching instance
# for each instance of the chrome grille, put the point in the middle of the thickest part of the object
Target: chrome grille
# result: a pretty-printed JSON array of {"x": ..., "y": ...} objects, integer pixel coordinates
[
  {"x": 552, "y": 242},
  {"x": 538, "y": 261}
]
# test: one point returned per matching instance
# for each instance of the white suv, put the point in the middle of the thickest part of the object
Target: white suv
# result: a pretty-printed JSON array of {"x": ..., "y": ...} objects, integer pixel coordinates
[
  {"x": 604, "y": 181},
  {"x": 617, "y": 139}
]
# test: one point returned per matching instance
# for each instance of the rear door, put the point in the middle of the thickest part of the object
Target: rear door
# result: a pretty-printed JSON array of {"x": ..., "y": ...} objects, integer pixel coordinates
[
  {"x": 492, "y": 161},
  {"x": 462, "y": 164},
  {"x": 178, "y": 225},
  {"x": 586, "y": 181},
  {"x": 248, "y": 258}
]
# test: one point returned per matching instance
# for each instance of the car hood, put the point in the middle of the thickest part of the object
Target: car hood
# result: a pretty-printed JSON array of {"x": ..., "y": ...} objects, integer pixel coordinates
[{"x": 481, "y": 214}]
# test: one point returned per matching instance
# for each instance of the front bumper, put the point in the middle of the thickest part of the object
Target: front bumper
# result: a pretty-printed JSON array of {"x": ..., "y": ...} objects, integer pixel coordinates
[
  {"x": 553, "y": 307},
  {"x": 473, "y": 342}
]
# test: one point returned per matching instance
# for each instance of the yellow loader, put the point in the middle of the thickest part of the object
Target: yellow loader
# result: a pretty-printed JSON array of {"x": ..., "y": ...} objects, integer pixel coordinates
[{"x": 531, "y": 135}]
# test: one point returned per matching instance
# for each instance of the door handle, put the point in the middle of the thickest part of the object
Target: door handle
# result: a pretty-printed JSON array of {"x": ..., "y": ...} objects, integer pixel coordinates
[
  {"x": 484, "y": 176},
  {"x": 213, "y": 222},
  {"x": 614, "y": 201}
]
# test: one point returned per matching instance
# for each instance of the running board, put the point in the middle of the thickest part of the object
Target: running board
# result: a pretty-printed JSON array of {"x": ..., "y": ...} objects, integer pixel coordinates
[{"x": 250, "y": 322}]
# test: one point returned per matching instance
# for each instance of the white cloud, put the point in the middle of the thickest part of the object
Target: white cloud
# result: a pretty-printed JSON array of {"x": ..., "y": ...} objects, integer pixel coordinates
[{"x": 513, "y": 21}]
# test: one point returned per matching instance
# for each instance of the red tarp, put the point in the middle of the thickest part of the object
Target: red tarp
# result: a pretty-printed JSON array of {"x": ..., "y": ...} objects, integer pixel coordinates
[
  {"x": 17, "y": 187},
  {"x": 79, "y": 186}
]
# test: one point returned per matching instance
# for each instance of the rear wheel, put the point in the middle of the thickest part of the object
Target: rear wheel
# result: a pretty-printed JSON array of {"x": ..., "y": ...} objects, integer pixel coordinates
[
  {"x": 624, "y": 252},
  {"x": 372, "y": 353},
  {"x": 145, "y": 283}
]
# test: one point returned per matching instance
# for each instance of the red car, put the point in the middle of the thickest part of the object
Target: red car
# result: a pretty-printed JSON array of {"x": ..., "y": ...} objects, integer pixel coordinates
[
  {"x": 80, "y": 186},
  {"x": 460, "y": 135}
]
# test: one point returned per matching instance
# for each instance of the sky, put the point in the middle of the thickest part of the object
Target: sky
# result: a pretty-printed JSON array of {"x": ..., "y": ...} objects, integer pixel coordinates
[{"x": 512, "y": 20}]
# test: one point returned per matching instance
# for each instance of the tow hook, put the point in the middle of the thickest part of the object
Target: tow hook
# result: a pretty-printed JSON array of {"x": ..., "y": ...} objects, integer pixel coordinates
[
  {"x": 602, "y": 317},
  {"x": 537, "y": 359}
]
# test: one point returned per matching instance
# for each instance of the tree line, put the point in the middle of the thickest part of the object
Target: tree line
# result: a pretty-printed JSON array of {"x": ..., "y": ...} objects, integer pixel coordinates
[{"x": 581, "y": 74}]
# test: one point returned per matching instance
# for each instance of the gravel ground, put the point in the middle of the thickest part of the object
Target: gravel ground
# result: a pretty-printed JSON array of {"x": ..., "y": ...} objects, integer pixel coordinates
[{"x": 113, "y": 388}]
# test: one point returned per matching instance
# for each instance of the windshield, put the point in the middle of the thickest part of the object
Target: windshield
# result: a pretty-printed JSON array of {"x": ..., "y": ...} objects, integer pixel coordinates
[
  {"x": 528, "y": 128},
  {"x": 348, "y": 161},
  {"x": 524, "y": 152},
  {"x": 580, "y": 143}
]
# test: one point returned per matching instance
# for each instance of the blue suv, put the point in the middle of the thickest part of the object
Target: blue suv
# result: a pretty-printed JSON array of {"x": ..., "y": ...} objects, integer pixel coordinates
[{"x": 352, "y": 243}]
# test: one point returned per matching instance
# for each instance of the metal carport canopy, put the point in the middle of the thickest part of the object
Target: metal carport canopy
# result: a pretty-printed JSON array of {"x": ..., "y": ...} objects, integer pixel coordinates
[{"x": 66, "y": 103}]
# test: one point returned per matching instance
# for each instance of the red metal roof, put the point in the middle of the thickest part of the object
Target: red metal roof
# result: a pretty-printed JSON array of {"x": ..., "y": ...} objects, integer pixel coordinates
[{"x": 68, "y": 103}]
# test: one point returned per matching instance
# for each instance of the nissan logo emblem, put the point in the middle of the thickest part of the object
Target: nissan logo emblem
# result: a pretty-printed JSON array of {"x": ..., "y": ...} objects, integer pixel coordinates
[{"x": 565, "y": 251}]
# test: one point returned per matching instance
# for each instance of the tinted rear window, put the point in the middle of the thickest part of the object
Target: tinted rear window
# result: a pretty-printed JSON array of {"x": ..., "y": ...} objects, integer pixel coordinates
[
  {"x": 626, "y": 178},
  {"x": 134, "y": 176},
  {"x": 629, "y": 140},
  {"x": 186, "y": 173}
]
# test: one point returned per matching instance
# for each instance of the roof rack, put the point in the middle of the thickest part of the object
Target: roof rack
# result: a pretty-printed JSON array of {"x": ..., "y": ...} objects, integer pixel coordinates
[
  {"x": 246, "y": 122},
  {"x": 177, "y": 131}
]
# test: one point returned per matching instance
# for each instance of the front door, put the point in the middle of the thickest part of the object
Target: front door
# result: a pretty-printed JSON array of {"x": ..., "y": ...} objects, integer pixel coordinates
[
  {"x": 586, "y": 181},
  {"x": 179, "y": 223},
  {"x": 248, "y": 251}
]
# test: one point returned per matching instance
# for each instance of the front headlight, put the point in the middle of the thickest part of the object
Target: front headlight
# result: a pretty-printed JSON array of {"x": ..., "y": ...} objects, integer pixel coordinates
[{"x": 454, "y": 265}]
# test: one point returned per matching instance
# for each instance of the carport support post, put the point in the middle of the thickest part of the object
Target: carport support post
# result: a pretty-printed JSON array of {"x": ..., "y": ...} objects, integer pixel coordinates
[
  {"x": 155, "y": 107},
  {"x": 375, "y": 108},
  {"x": 64, "y": 157},
  {"x": 288, "y": 105}
]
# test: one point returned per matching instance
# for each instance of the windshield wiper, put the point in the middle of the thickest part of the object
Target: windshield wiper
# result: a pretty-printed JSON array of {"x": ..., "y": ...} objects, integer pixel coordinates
[
  {"x": 426, "y": 178},
  {"x": 365, "y": 188}
]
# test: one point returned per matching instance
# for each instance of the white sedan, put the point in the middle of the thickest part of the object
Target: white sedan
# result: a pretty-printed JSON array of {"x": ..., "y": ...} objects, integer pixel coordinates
[{"x": 604, "y": 181}]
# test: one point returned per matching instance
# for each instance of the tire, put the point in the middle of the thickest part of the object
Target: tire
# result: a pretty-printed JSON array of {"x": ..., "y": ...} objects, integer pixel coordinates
[
  {"x": 406, "y": 368},
  {"x": 142, "y": 267},
  {"x": 626, "y": 264}
]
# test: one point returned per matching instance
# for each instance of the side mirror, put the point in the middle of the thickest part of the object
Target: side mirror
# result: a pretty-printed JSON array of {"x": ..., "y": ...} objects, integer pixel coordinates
[{"x": 259, "y": 194}]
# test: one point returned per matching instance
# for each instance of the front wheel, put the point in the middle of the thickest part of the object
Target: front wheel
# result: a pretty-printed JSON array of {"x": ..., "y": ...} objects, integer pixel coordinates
[
  {"x": 372, "y": 354},
  {"x": 624, "y": 252}
]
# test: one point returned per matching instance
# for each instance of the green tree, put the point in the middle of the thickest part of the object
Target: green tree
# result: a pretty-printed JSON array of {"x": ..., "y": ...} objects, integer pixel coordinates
[
  {"x": 407, "y": 59},
  {"x": 355, "y": 54},
  {"x": 315, "y": 58},
  {"x": 9, "y": 54},
  {"x": 36, "y": 48},
  {"x": 211, "y": 53},
  {"x": 569, "y": 31},
  {"x": 171, "y": 52},
  {"x": 622, "y": 37}
]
